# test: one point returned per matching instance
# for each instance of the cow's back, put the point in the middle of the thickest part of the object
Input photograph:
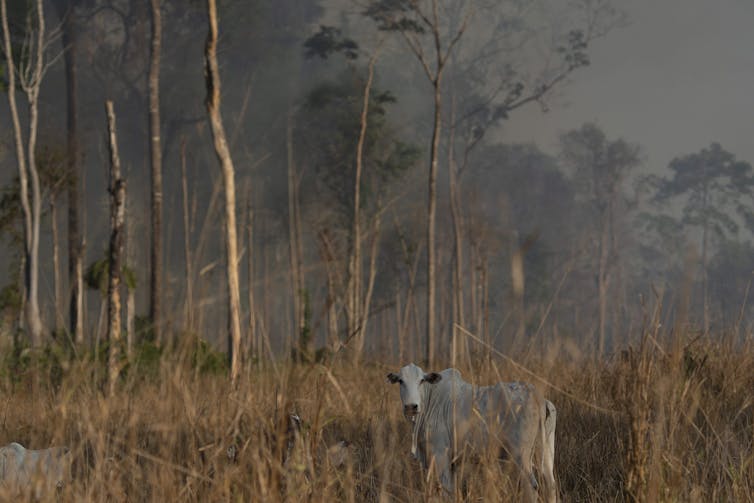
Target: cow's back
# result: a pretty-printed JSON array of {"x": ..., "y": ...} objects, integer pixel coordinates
[{"x": 22, "y": 469}]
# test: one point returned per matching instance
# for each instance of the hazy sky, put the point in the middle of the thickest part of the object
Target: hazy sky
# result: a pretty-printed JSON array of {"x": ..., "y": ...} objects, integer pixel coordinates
[{"x": 680, "y": 76}]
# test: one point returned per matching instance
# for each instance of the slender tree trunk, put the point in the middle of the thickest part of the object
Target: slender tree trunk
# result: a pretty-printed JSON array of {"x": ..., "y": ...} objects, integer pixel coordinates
[
  {"x": 252, "y": 336},
  {"x": 189, "y": 315},
  {"x": 458, "y": 348},
  {"x": 356, "y": 304},
  {"x": 34, "y": 317},
  {"x": 485, "y": 309},
  {"x": 300, "y": 347},
  {"x": 117, "y": 218},
  {"x": 367, "y": 301},
  {"x": 56, "y": 280},
  {"x": 412, "y": 263},
  {"x": 431, "y": 220},
  {"x": 400, "y": 342},
  {"x": 155, "y": 279},
  {"x": 75, "y": 247},
  {"x": 226, "y": 163},
  {"x": 128, "y": 247},
  {"x": 602, "y": 279},
  {"x": 474, "y": 290},
  {"x": 328, "y": 256},
  {"x": 78, "y": 295},
  {"x": 705, "y": 293}
]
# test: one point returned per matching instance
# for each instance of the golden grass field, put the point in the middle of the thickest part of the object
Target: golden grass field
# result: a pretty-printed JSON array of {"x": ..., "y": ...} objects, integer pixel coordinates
[{"x": 655, "y": 422}]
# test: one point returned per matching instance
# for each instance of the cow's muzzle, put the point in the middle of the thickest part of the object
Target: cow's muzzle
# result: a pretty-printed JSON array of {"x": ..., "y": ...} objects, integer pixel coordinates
[{"x": 410, "y": 411}]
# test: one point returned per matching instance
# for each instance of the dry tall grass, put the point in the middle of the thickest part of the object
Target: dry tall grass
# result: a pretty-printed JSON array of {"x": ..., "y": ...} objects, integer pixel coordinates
[{"x": 650, "y": 424}]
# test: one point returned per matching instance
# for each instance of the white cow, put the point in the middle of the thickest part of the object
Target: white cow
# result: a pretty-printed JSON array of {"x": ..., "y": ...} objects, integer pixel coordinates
[
  {"x": 42, "y": 471},
  {"x": 446, "y": 411}
]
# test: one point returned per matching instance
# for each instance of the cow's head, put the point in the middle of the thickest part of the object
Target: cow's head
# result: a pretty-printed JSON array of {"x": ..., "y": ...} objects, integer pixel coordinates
[{"x": 412, "y": 378}]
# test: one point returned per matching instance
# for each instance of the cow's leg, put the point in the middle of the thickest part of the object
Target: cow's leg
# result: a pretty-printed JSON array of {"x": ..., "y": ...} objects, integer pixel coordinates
[
  {"x": 443, "y": 469},
  {"x": 548, "y": 452},
  {"x": 527, "y": 481}
]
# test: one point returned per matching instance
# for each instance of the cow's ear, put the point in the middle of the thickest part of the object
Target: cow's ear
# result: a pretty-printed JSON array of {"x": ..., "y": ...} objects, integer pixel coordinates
[
  {"x": 393, "y": 378},
  {"x": 432, "y": 377}
]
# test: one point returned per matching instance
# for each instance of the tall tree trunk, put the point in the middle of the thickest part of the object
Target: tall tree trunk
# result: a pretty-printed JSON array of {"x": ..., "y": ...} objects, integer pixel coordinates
[
  {"x": 128, "y": 262},
  {"x": 431, "y": 218},
  {"x": 27, "y": 171},
  {"x": 75, "y": 246},
  {"x": 117, "y": 218},
  {"x": 602, "y": 280},
  {"x": 705, "y": 292},
  {"x": 56, "y": 280},
  {"x": 457, "y": 346},
  {"x": 155, "y": 279},
  {"x": 226, "y": 164},
  {"x": 356, "y": 304},
  {"x": 189, "y": 316},
  {"x": 367, "y": 301},
  {"x": 300, "y": 346},
  {"x": 328, "y": 257},
  {"x": 252, "y": 336}
]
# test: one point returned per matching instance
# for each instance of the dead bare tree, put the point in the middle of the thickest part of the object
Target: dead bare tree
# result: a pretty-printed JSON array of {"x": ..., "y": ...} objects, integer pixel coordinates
[
  {"x": 117, "y": 189},
  {"x": 226, "y": 164},
  {"x": 155, "y": 148}
]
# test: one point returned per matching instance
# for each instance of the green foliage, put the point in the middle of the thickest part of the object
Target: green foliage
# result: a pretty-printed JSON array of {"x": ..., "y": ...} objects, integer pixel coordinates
[
  {"x": 97, "y": 275},
  {"x": 395, "y": 15},
  {"x": 146, "y": 359},
  {"x": 10, "y": 212},
  {"x": 329, "y": 126},
  {"x": 598, "y": 165},
  {"x": 206, "y": 360},
  {"x": 54, "y": 175},
  {"x": 11, "y": 298},
  {"x": 22, "y": 362},
  {"x": 328, "y": 41},
  {"x": 574, "y": 51},
  {"x": 712, "y": 183}
]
